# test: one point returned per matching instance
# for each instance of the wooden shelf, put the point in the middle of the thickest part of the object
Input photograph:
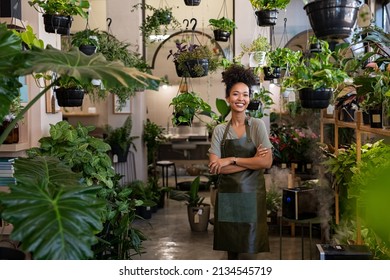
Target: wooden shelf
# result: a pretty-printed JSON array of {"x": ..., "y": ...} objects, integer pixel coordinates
[
  {"x": 14, "y": 147},
  {"x": 80, "y": 114}
]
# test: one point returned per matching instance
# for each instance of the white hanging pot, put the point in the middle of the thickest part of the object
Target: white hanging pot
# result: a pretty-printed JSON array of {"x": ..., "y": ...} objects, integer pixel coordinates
[
  {"x": 287, "y": 92},
  {"x": 257, "y": 59}
]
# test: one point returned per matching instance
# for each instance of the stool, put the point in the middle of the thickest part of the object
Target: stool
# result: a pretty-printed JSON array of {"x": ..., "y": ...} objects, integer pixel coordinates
[
  {"x": 165, "y": 164},
  {"x": 310, "y": 221}
]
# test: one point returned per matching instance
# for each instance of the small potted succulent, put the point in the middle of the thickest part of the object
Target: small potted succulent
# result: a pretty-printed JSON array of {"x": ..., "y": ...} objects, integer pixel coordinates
[
  {"x": 222, "y": 28},
  {"x": 57, "y": 14}
]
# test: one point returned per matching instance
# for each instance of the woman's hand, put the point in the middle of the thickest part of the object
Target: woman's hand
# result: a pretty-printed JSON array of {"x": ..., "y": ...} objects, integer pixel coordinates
[
  {"x": 261, "y": 152},
  {"x": 216, "y": 165}
]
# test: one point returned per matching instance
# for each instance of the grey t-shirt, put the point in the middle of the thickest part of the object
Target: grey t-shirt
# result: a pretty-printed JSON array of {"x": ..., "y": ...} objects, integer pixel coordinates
[{"x": 258, "y": 133}]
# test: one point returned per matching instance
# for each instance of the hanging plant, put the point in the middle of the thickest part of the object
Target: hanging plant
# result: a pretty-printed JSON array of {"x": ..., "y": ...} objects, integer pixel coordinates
[
  {"x": 222, "y": 28},
  {"x": 267, "y": 10},
  {"x": 159, "y": 22},
  {"x": 192, "y": 2}
]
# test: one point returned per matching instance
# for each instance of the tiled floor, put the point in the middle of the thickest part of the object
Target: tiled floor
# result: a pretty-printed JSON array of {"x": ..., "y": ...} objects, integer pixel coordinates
[{"x": 170, "y": 238}]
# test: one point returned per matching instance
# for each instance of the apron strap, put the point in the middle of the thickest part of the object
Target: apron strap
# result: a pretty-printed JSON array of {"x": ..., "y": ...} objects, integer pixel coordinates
[
  {"x": 224, "y": 139},
  {"x": 248, "y": 131}
]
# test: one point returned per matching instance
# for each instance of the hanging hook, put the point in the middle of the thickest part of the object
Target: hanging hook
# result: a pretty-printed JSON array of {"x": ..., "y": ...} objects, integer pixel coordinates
[
  {"x": 187, "y": 22},
  {"x": 195, "y": 23},
  {"x": 109, "y": 20}
]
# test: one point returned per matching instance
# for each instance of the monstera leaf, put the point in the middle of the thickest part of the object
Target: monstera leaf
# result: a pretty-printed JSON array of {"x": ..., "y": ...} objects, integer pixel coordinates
[{"x": 53, "y": 214}]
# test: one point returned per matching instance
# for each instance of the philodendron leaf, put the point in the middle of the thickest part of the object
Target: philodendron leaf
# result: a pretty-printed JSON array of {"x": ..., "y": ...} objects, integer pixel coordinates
[
  {"x": 53, "y": 214},
  {"x": 84, "y": 68}
]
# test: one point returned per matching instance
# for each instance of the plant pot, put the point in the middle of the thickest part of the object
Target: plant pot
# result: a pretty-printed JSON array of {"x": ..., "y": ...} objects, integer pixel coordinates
[
  {"x": 144, "y": 211},
  {"x": 69, "y": 97},
  {"x": 253, "y": 105},
  {"x": 13, "y": 136},
  {"x": 198, "y": 217},
  {"x": 332, "y": 19},
  {"x": 221, "y": 36},
  {"x": 87, "y": 49},
  {"x": 192, "y": 2},
  {"x": 11, "y": 254},
  {"x": 119, "y": 152},
  {"x": 271, "y": 73},
  {"x": 192, "y": 64},
  {"x": 266, "y": 17},
  {"x": 257, "y": 59},
  {"x": 57, "y": 24},
  {"x": 315, "y": 99}
]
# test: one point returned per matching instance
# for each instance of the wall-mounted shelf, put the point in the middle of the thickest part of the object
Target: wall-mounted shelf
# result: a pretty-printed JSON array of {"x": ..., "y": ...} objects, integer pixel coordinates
[{"x": 81, "y": 114}]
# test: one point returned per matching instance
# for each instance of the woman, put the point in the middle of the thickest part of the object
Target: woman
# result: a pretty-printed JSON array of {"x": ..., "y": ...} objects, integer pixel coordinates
[{"x": 240, "y": 151}]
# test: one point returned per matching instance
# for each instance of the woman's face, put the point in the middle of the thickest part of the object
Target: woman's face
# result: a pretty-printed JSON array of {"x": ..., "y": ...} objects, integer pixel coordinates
[{"x": 238, "y": 97}]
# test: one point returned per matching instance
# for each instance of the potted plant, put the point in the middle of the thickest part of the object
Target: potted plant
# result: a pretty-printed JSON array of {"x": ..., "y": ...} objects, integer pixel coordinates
[
  {"x": 186, "y": 106},
  {"x": 256, "y": 50},
  {"x": 158, "y": 23},
  {"x": 86, "y": 40},
  {"x": 69, "y": 92},
  {"x": 15, "y": 108},
  {"x": 222, "y": 28},
  {"x": 267, "y": 10},
  {"x": 273, "y": 201},
  {"x": 280, "y": 59},
  {"x": 57, "y": 14},
  {"x": 120, "y": 139},
  {"x": 316, "y": 76},
  {"x": 260, "y": 101},
  {"x": 192, "y": 60},
  {"x": 198, "y": 212}
]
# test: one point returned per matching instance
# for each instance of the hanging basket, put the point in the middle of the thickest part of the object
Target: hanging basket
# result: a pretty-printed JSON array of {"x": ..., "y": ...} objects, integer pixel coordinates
[
  {"x": 332, "y": 19},
  {"x": 87, "y": 49},
  {"x": 195, "y": 68},
  {"x": 69, "y": 97},
  {"x": 192, "y": 2},
  {"x": 315, "y": 99},
  {"x": 221, "y": 36},
  {"x": 253, "y": 105},
  {"x": 57, "y": 24},
  {"x": 266, "y": 17},
  {"x": 257, "y": 59},
  {"x": 271, "y": 73}
]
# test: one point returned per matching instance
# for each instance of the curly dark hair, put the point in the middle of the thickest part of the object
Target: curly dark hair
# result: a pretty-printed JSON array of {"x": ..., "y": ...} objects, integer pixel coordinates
[{"x": 238, "y": 74}]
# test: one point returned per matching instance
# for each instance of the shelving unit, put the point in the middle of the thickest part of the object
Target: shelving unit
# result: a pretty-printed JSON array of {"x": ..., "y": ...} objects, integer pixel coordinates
[{"x": 360, "y": 128}]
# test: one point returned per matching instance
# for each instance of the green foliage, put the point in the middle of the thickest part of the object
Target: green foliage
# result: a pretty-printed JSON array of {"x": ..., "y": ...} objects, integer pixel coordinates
[
  {"x": 269, "y": 4},
  {"x": 223, "y": 110},
  {"x": 273, "y": 200},
  {"x": 153, "y": 136},
  {"x": 85, "y": 37},
  {"x": 186, "y": 106},
  {"x": 121, "y": 135},
  {"x": 283, "y": 57},
  {"x": 319, "y": 70},
  {"x": 264, "y": 96},
  {"x": 224, "y": 24},
  {"x": 54, "y": 215},
  {"x": 61, "y": 7},
  {"x": 159, "y": 22},
  {"x": 191, "y": 197},
  {"x": 29, "y": 38},
  {"x": 82, "y": 152}
]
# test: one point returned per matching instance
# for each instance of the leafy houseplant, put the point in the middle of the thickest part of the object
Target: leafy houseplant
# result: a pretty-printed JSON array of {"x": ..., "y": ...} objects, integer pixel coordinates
[
  {"x": 256, "y": 50},
  {"x": 158, "y": 22},
  {"x": 192, "y": 60},
  {"x": 120, "y": 139},
  {"x": 86, "y": 40},
  {"x": 316, "y": 77},
  {"x": 186, "y": 106},
  {"x": 280, "y": 59},
  {"x": 260, "y": 101},
  {"x": 58, "y": 14},
  {"x": 198, "y": 212},
  {"x": 222, "y": 28},
  {"x": 44, "y": 208},
  {"x": 267, "y": 10}
]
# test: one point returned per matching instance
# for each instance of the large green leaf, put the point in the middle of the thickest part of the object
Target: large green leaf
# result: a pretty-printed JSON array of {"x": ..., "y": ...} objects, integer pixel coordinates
[{"x": 53, "y": 214}]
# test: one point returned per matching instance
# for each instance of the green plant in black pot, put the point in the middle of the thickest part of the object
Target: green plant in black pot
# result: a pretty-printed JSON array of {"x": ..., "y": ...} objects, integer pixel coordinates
[
  {"x": 222, "y": 28},
  {"x": 158, "y": 22},
  {"x": 260, "y": 101},
  {"x": 86, "y": 40},
  {"x": 120, "y": 139},
  {"x": 58, "y": 14},
  {"x": 267, "y": 10},
  {"x": 280, "y": 59},
  {"x": 186, "y": 106},
  {"x": 192, "y": 60}
]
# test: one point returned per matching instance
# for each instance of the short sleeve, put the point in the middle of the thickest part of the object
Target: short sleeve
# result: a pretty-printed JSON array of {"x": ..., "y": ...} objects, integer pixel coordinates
[
  {"x": 216, "y": 138},
  {"x": 259, "y": 133}
]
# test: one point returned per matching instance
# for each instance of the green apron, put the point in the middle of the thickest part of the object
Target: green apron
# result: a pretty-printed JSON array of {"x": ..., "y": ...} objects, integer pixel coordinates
[{"x": 240, "y": 210}]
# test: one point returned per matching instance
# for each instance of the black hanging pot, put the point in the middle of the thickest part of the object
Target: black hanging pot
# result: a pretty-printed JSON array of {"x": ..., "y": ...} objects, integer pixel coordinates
[
  {"x": 253, "y": 105},
  {"x": 266, "y": 17},
  {"x": 69, "y": 97},
  {"x": 271, "y": 73},
  {"x": 192, "y": 2},
  {"x": 57, "y": 24},
  {"x": 332, "y": 19},
  {"x": 221, "y": 36},
  {"x": 88, "y": 49},
  {"x": 315, "y": 98},
  {"x": 196, "y": 68}
]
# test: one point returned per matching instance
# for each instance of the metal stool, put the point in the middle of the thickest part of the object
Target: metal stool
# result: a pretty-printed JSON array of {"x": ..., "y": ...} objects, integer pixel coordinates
[{"x": 165, "y": 164}]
